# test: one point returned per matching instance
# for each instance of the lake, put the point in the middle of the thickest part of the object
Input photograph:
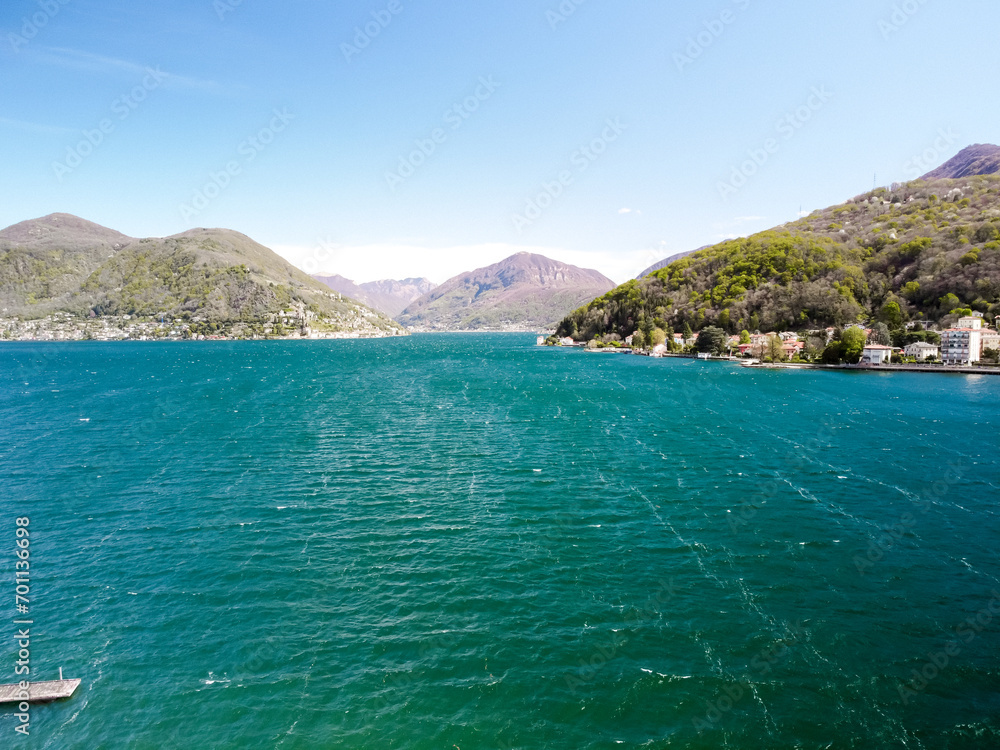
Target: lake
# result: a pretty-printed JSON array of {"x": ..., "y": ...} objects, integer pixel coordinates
[{"x": 469, "y": 541}]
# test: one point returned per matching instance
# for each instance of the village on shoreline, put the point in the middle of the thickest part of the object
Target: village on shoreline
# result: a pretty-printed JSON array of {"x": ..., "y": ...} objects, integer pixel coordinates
[
  {"x": 289, "y": 325},
  {"x": 968, "y": 347}
]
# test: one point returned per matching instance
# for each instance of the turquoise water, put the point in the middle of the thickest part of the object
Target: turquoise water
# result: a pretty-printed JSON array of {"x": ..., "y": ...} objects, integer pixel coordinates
[{"x": 468, "y": 541}]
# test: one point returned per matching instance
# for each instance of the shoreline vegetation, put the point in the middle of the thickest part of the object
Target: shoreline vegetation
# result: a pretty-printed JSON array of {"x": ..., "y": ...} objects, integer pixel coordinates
[
  {"x": 907, "y": 274},
  {"x": 939, "y": 368}
]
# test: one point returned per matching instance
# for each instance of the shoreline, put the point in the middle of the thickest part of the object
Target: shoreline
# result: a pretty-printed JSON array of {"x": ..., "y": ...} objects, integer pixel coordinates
[
  {"x": 933, "y": 369},
  {"x": 755, "y": 364}
]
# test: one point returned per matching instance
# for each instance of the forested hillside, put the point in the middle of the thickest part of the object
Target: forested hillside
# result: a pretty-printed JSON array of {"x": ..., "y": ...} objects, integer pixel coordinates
[{"x": 917, "y": 251}]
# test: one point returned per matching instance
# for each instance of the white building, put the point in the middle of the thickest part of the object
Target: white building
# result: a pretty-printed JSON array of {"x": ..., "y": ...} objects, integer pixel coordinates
[
  {"x": 876, "y": 354},
  {"x": 961, "y": 346},
  {"x": 922, "y": 351},
  {"x": 990, "y": 340}
]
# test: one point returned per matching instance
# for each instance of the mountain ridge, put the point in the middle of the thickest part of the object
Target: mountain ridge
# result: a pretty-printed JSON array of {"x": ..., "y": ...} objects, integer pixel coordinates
[
  {"x": 62, "y": 263},
  {"x": 522, "y": 291},
  {"x": 389, "y": 296},
  {"x": 975, "y": 160}
]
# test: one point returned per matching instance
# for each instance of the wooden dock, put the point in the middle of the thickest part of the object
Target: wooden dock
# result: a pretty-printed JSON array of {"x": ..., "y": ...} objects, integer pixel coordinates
[{"x": 39, "y": 692}]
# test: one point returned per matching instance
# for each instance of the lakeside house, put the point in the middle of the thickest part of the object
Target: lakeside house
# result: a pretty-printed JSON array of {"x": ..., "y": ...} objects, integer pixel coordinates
[
  {"x": 876, "y": 354},
  {"x": 922, "y": 351},
  {"x": 963, "y": 344},
  {"x": 990, "y": 340},
  {"x": 792, "y": 348}
]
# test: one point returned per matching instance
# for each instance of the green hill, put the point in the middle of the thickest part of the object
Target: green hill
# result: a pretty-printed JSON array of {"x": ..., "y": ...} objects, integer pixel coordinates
[
  {"x": 911, "y": 252},
  {"x": 61, "y": 263}
]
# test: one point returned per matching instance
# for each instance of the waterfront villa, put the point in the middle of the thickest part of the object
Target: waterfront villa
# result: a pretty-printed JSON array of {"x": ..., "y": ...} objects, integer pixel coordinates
[
  {"x": 922, "y": 351},
  {"x": 991, "y": 340},
  {"x": 876, "y": 354}
]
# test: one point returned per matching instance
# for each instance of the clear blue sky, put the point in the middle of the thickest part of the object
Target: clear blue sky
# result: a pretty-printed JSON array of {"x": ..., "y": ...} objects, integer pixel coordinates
[{"x": 315, "y": 184}]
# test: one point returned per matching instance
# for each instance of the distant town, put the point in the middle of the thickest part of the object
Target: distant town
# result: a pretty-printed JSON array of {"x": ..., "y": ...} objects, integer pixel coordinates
[{"x": 293, "y": 324}]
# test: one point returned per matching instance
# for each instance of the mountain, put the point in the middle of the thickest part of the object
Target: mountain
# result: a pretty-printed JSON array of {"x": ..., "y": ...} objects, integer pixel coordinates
[
  {"x": 524, "y": 291},
  {"x": 388, "y": 296},
  {"x": 978, "y": 159},
  {"x": 667, "y": 261},
  {"x": 916, "y": 252},
  {"x": 344, "y": 286},
  {"x": 61, "y": 263},
  {"x": 392, "y": 297}
]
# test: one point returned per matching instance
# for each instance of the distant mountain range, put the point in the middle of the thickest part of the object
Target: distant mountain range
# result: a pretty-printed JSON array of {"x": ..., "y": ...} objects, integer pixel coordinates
[
  {"x": 62, "y": 263},
  {"x": 522, "y": 292},
  {"x": 978, "y": 159},
  {"x": 920, "y": 251},
  {"x": 388, "y": 296}
]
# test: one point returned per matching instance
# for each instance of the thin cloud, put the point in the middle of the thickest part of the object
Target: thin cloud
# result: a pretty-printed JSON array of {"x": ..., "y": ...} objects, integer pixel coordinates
[
  {"x": 745, "y": 219},
  {"x": 629, "y": 211},
  {"x": 34, "y": 127},
  {"x": 87, "y": 61}
]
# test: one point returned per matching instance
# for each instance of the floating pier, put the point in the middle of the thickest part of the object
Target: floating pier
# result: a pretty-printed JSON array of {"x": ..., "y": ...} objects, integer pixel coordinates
[{"x": 39, "y": 692}]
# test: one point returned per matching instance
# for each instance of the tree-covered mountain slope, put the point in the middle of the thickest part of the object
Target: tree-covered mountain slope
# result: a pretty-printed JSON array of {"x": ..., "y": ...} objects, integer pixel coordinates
[{"x": 917, "y": 251}]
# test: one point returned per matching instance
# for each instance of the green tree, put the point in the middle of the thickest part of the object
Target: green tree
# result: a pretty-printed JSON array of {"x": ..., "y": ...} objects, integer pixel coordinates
[
  {"x": 744, "y": 337},
  {"x": 949, "y": 302},
  {"x": 775, "y": 351},
  {"x": 911, "y": 289},
  {"x": 853, "y": 342},
  {"x": 834, "y": 353},
  {"x": 639, "y": 339},
  {"x": 712, "y": 340},
  {"x": 891, "y": 314},
  {"x": 658, "y": 337},
  {"x": 881, "y": 334}
]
